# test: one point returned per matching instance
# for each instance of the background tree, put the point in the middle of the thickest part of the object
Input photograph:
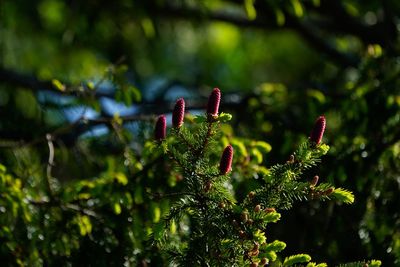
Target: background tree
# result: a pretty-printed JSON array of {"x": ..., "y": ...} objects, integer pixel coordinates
[{"x": 281, "y": 64}]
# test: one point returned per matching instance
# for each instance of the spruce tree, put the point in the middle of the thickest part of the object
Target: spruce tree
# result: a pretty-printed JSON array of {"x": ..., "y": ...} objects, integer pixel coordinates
[{"x": 207, "y": 225}]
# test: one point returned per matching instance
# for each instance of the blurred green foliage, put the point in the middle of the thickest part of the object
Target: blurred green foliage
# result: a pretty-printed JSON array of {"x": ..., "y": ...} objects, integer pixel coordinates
[{"x": 280, "y": 64}]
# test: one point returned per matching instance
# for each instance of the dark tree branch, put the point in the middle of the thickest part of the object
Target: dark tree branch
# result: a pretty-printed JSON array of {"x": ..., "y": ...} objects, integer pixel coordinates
[
  {"x": 311, "y": 36},
  {"x": 263, "y": 21},
  {"x": 75, "y": 129},
  {"x": 19, "y": 80},
  {"x": 65, "y": 206},
  {"x": 339, "y": 21}
]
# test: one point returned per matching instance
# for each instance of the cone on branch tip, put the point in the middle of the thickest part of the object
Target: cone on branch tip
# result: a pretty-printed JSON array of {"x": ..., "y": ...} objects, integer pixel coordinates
[
  {"x": 179, "y": 113},
  {"x": 242, "y": 234},
  {"x": 329, "y": 191},
  {"x": 269, "y": 210},
  {"x": 314, "y": 181},
  {"x": 256, "y": 246},
  {"x": 251, "y": 194},
  {"x": 318, "y": 130},
  {"x": 160, "y": 131},
  {"x": 207, "y": 186},
  {"x": 263, "y": 261},
  {"x": 213, "y": 103},
  {"x": 225, "y": 164}
]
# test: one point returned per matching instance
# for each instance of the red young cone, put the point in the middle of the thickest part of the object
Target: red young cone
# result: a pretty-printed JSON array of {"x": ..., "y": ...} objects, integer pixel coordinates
[
  {"x": 179, "y": 113},
  {"x": 213, "y": 102},
  {"x": 160, "y": 132},
  {"x": 318, "y": 130},
  {"x": 225, "y": 164}
]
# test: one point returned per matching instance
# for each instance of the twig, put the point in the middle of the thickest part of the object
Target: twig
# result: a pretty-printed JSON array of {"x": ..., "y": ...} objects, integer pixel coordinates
[
  {"x": 80, "y": 210},
  {"x": 67, "y": 128},
  {"x": 202, "y": 148},
  {"x": 125, "y": 119},
  {"x": 159, "y": 195},
  {"x": 185, "y": 140},
  {"x": 50, "y": 164},
  {"x": 172, "y": 156},
  {"x": 66, "y": 206},
  {"x": 31, "y": 82}
]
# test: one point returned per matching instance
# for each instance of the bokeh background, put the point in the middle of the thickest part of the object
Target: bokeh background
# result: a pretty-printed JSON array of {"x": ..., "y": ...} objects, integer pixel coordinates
[{"x": 94, "y": 73}]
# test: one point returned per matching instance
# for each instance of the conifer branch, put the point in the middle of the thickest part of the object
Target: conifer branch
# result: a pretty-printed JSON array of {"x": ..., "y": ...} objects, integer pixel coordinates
[
  {"x": 185, "y": 140},
  {"x": 222, "y": 230}
]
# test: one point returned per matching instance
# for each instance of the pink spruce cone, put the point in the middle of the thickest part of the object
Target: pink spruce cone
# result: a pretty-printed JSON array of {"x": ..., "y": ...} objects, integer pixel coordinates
[
  {"x": 160, "y": 131},
  {"x": 318, "y": 130},
  {"x": 213, "y": 102},
  {"x": 225, "y": 164},
  {"x": 179, "y": 113}
]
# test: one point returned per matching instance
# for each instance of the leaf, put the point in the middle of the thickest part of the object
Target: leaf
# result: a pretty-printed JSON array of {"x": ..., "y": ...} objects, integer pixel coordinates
[
  {"x": 58, "y": 85},
  {"x": 239, "y": 148},
  {"x": 138, "y": 197},
  {"x": 117, "y": 208},
  {"x": 372, "y": 263},
  {"x": 90, "y": 85},
  {"x": 117, "y": 119},
  {"x": 159, "y": 230},
  {"x": 224, "y": 117},
  {"x": 26, "y": 103},
  {"x": 126, "y": 96},
  {"x": 200, "y": 119},
  {"x": 261, "y": 170},
  {"x": 375, "y": 50},
  {"x": 135, "y": 93},
  {"x": 323, "y": 149},
  {"x": 121, "y": 178},
  {"x": 84, "y": 196},
  {"x": 263, "y": 146},
  {"x": 84, "y": 224},
  {"x": 87, "y": 224},
  {"x": 298, "y": 8},
  {"x": 148, "y": 27},
  {"x": 250, "y": 9},
  {"x": 256, "y": 154},
  {"x": 272, "y": 217},
  {"x": 299, "y": 258},
  {"x": 2, "y": 168},
  {"x": 259, "y": 236},
  {"x": 280, "y": 17},
  {"x": 318, "y": 95},
  {"x": 121, "y": 69},
  {"x": 271, "y": 255},
  {"x": 172, "y": 227},
  {"x": 343, "y": 195},
  {"x": 276, "y": 246},
  {"x": 156, "y": 213}
]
